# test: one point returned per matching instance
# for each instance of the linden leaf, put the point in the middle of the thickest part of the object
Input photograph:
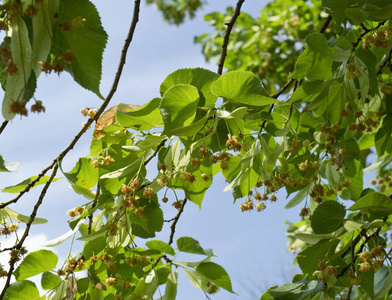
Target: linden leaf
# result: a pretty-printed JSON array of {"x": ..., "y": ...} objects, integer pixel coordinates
[{"x": 109, "y": 116}]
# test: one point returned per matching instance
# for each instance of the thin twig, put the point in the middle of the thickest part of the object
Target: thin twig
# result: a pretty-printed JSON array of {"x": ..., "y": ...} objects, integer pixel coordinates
[
  {"x": 155, "y": 152},
  {"x": 226, "y": 37},
  {"x": 326, "y": 24},
  {"x": 112, "y": 91},
  {"x": 3, "y": 125},
  {"x": 176, "y": 218},
  {"x": 386, "y": 61},
  {"x": 90, "y": 217},
  {"x": 19, "y": 245},
  {"x": 291, "y": 80}
]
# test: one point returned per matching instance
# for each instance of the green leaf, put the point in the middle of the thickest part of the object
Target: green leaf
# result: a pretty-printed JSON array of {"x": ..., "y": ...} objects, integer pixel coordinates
[
  {"x": 178, "y": 106},
  {"x": 93, "y": 247},
  {"x": 64, "y": 237},
  {"x": 83, "y": 174},
  {"x": 243, "y": 87},
  {"x": 8, "y": 167},
  {"x": 295, "y": 291},
  {"x": 144, "y": 118},
  {"x": 383, "y": 135},
  {"x": 171, "y": 286},
  {"x": 35, "y": 263},
  {"x": 90, "y": 195},
  {"x": 328, "y": 217},
  {"x": 22, "y": 290},
  {"x": 161, "y": 246},
  {"x": 86, "y": 42},
  {"x": 189, "y": 245},
  {"x": 22, "y": 218},
  {"x": 309, "y": 258},
  {"x": 315, "y": 238},
  {"x": 314, "y": 62},
  {"x": 42, "y": 32},
  {"x": 49, "y": 281},
  {"x": 147, "y": 285},
  {"x": 381, "y": 14},
  {"x": 333, "y": 175},
  {"x": 196, "y": 279},
  {"x": 373, "y": 202},
  {"x": 216, "y": 274},
  {"x": 22, "y": 185},
  {"x": 197, "y": 77},
  {"x": 382, "y": 282},
  {"x": 297, "y": 199},
  {"x": 355, "y": 15},
  {"x": 152, "y": 221},
  {"x": 21, "y": 56}
]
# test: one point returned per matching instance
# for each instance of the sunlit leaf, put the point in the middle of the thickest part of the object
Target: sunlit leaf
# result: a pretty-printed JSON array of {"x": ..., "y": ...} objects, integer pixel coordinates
[{"x": 35, "y": 263}]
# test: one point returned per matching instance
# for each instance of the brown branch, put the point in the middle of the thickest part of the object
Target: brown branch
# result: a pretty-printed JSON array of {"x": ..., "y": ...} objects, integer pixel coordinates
[
  {"x": 19, "y": 245},
  {"x": 3, "y": 125},
  {"x": 112, "y": 91},
  {"x": 367, "y": 30},
  {"x": 326, "y": 24},
  {"x": 176, "y": 218},
  {"x": 386, "y": 61},
  {"x": 156, "y": 152},
  {"x": 90, "y": 217},
  {"x": 227, "y": 35}
]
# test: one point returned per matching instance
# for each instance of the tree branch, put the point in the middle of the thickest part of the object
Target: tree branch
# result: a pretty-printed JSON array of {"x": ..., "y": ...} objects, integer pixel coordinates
[
  {"x": 155, "y": 152},
  {"x": 3, "y": 125},
  {"x": 386, "y": 61},
  {"x": 112, "y": 91},
  {"x": 176, "y": 218},
  {"x": 90, "y": 217},
  {"x": 227, "y": 35},
  {"x": 19, "y": 245}
]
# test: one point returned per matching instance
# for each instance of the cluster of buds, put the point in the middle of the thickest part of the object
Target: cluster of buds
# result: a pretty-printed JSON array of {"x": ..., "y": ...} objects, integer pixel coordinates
[
  {"x": 306, "y": 165},
  {"x": 87, "y": 111},
  {"x": 212, "y": 288},
  {"x": 130, "y": 201},
  {"x": 48, "y": 67},
  {"x": 380, "y": 39},
  {"x": 234, "y": 143},
  {"x": 382, "y": 182},
  {"x": 187, "y": 176},
  {"x": 374, "y": 258},
  {"x": 18, "y": 107},
  {"x": 105, "y": 161},
  {"x": 3, "y": 273},
  {"x": 31, "y": 11},
  {"x": 8, "y": 229},
  {"x": 72, "y": 265},
  {"x": 223, "y": 158},
  {"x": 163, "y": 180},
  {"x": 37, "y": 107},
  {"x": 111, "y": 281},
  {"x": 135, "y": 260},
  {"x": 352, "y": 71},
  {"x": 326, "y": 271},
  {"x": 178, "y": 204},
  {"x": 77, "y": 211}
]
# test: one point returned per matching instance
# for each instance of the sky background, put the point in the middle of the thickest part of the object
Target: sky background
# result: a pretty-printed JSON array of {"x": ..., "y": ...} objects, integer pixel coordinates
[{"x": 250, "y": 246}]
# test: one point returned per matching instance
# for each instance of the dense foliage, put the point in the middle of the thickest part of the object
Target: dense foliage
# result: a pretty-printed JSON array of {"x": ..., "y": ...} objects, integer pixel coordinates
[{"x": 305, "y": 106}]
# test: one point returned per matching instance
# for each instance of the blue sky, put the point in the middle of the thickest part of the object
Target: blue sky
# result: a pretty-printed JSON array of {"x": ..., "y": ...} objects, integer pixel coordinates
[{"x": 250, "y": 246}]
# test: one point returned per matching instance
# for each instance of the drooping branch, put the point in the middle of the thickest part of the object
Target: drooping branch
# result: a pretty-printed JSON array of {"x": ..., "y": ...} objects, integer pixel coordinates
[
  {"x": 386, "y": 61},
  {"x": 19, "y": 245},
  {"x": 3, "y": 125},
  {"x": 176, "y": 218},
  {"x": 112, "y": 91},
  {"x": 226, "y": 37}
]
